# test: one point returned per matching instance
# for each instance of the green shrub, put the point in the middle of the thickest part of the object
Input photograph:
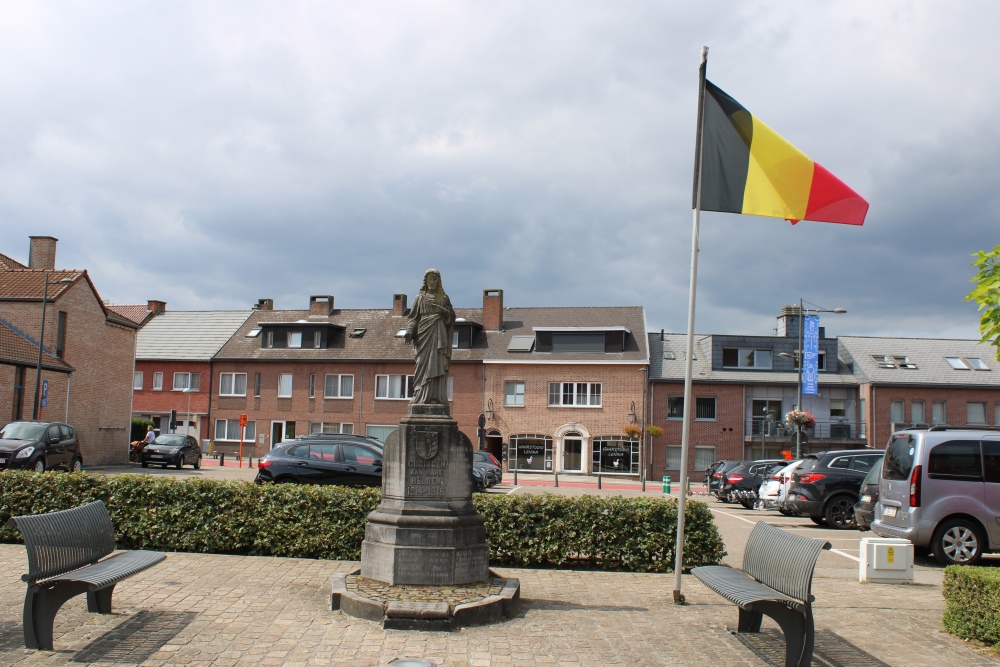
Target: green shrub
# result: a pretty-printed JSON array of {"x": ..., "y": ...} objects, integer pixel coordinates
[
  {"x": 328, "y": 522},
  {"x": 972, "y": 602}
]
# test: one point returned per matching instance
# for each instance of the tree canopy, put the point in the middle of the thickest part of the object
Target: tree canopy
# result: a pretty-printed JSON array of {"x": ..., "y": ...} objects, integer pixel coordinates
[{"x": 987, "y": 295}]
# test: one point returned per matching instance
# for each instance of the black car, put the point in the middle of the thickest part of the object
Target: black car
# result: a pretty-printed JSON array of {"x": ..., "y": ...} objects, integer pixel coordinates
[
  {"x": 39, "y": 446},
  {"x": 827, "y": 485},
  {"x": 740, "y": 484},
  {"x": 490, "y": 467},
  {"x": 864, "y": 511},
  {"x": 171, "y": 449},
  {"x": 341, "y": 461},
  {"x": 715, "y": 482}
]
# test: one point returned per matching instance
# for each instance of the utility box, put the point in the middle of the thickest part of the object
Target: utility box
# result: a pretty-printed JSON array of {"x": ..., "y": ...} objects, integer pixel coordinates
[{"x": 886, "y": 560}]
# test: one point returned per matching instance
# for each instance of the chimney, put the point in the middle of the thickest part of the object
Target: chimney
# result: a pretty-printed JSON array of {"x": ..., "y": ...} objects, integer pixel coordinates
[
  {"x": 493, "y": 309},
  {"x": 43, "y": 252},
  {"x": 321, "y": 305},
  {"x": 398, "y": 305},
  {"x": 264, "y": 304},
  {"x": 788, "y": 322},
  {"x": 156, "y": 307}
]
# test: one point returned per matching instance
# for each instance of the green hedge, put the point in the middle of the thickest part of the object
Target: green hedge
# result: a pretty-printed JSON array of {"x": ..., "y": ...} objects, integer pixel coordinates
[
  {"x": 328, "y": 522},
  {"x": 972, "y": 602}
]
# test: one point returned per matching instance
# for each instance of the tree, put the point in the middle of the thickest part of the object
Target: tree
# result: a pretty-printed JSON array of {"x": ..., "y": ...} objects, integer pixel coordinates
[{"x": 987, "y": 295}]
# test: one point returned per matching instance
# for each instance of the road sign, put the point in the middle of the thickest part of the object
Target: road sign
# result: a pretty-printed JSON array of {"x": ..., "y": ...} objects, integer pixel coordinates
[
  {"x": 45, "y": 389},
  {"x": 44, "y": 402},
  {"x": 243, "y": 420}
]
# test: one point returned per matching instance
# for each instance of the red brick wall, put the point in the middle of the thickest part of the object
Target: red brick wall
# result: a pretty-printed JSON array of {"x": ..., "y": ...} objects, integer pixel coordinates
[
  {"x": 621, "y": 386},
  {"x": 361, "y": 410},
  {"x": 956, "y": 400},
  {"x": 725, "y": 433},
  {"x": 100, "y": 389},
  {"x": 149, "y": 402}
]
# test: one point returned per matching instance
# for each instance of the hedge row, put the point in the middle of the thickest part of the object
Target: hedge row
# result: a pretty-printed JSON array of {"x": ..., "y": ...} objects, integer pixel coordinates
[
  {"x": 972, "y": 602},
  {"x": 328, "y": 522}
]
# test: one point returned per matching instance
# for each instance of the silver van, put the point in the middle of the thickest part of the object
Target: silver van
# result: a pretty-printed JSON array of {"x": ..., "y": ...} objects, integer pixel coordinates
[{"x": 940, "y": 488}]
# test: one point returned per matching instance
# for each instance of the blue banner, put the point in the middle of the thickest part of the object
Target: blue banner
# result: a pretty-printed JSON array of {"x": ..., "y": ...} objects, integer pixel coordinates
[{"x": 810, "y": 355}]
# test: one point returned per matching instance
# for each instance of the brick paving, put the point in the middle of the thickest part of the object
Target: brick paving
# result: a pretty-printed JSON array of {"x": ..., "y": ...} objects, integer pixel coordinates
[{"x": 224, "y": 611}]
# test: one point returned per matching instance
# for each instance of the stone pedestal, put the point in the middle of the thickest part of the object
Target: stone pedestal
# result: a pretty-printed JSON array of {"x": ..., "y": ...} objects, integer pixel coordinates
[{"x": 426, "y": 530}]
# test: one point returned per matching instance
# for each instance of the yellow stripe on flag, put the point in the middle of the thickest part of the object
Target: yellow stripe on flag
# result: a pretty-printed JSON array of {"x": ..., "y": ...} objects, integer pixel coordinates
[{"x": 779, "y": 176}]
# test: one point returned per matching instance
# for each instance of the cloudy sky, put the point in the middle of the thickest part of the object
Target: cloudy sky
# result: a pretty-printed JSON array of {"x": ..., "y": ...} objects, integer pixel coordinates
[{"x": 211, "y": 154}]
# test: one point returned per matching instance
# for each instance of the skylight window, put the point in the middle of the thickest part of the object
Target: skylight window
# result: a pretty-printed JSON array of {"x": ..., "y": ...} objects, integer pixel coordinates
[
  {"x": 977, "y": 363},
  {"x": 358, "y": 333},
  {"x": 253, "y": 333},
  {"x": 893, "y": 361},
  {"x": 957, "y": 363}
]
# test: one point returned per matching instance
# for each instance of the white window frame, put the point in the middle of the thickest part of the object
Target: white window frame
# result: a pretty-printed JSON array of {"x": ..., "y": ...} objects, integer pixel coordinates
[
  {"x": 958, "y": 363},
  {"x": 312, "y": 385},
  {"x": 557, "y": 399},
  {"x": 897, "y": 411},
  {"x": 382, "y": 383},
  {"x": 673, "y": 455},
  {"x": 977, "y": 363},
  {"x": 290, "y": 380},
  {"x": 232, "y": 384},
  {"x": 191, "y": 381},
  {"x": 295, "y": 339},
  {"x": 137, "y": 377},
  {"x": 338, "y": 385},
  {"x": 158, "y": 381},
  {"x": 943, "y": 418},
  {"x": 922, "y": 410},
  {"x": 331, "y": 427},
  {"x": 517, "y": 393},
  {"x": 704, "y": 456},
  {"x": 231, "y": 430}
]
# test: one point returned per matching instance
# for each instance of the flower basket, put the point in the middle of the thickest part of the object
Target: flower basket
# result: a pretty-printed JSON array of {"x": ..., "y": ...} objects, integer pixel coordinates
[
  {"x": 654, "y": 431},
  {"x": 800, "y": 419},
  {"x": 632, "y": 431}
]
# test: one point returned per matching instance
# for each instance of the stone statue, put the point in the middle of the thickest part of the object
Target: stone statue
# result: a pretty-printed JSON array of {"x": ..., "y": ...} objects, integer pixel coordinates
[{"x": 430, "y": 325}]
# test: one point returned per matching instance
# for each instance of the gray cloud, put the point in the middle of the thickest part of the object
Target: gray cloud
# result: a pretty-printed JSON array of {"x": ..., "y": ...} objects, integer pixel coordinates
[{"x": 210, "y": 155}]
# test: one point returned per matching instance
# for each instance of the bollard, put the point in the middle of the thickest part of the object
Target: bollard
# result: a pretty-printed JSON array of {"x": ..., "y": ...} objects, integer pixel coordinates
[
  {"x": 222, "y": 459},
  {"x": 515, "y": 476},
  {"x": 666, "y": 483},
  {"x": 557, "y": 479},
  {"x": 598, "y": 479}
]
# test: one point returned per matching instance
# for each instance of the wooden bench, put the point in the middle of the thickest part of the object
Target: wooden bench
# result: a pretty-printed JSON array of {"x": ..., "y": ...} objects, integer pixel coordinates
[
  {"x": 776, "y": 580},
  {"x": 64, "y": 560}
]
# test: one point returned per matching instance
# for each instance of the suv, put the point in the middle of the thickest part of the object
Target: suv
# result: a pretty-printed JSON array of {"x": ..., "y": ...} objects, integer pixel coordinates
[
  {"x": 740, "y": 484},
  {"x": 940, "y": 488},
  {"x": 39, "y": 446},
  {"x": 826, "y": 486},
  {"x": 716, "y": 477}
]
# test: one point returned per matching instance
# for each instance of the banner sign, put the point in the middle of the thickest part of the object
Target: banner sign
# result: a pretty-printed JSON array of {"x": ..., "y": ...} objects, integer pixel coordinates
[{"x": 810, "y": 355}]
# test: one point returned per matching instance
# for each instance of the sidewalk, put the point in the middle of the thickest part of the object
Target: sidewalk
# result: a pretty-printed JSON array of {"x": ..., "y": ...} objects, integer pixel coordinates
[{"x": 223, "y": 611}]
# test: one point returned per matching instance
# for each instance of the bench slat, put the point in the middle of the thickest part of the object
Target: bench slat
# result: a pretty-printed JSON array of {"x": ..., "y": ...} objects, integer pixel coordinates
[
  {"x": 66, "y": 540},
  {"x": 782, "y": 560},
  {"x": 112, "y": 570},
  {"x": 738, "y": 587}
]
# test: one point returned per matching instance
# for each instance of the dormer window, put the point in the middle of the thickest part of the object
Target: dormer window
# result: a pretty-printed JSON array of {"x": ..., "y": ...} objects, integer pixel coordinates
[
  {"x": 294, "y": 339},
  {"x": 581, "y": 340},
  {"x": 746, "y": 358}
]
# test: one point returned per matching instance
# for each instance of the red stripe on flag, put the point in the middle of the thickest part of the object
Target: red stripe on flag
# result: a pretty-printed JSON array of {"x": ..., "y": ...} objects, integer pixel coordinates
[{"x": 831, "y": 200}]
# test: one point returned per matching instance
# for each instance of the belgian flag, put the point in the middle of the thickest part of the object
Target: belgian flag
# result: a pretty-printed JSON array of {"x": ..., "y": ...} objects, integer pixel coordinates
[{"x": 748, "y": 168}]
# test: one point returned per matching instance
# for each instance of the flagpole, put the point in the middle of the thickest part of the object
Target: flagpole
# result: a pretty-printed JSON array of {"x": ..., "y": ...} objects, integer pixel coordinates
[{"x": 686, "y": 429}]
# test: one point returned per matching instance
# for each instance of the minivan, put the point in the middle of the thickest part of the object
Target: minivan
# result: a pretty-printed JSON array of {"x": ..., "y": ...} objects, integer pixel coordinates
[{"x": 940, "y": 488}]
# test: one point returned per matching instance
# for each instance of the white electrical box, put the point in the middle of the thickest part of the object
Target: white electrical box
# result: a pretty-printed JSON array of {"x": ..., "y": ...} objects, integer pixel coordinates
[{"x": 886, "y": 560}]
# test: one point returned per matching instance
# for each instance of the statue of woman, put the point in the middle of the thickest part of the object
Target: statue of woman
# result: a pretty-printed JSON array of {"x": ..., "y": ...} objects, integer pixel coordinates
[{"x": 429, "y": 328}]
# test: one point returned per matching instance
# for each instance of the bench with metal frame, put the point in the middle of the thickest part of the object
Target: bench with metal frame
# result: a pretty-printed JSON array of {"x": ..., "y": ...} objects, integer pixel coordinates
[
  {"x": 65, "y": 549},
  {"x": 776, "y": 580}
]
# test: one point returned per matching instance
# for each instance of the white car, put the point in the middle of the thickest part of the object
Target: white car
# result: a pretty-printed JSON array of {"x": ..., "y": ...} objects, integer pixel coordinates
[{"x": 773, "y": 491}]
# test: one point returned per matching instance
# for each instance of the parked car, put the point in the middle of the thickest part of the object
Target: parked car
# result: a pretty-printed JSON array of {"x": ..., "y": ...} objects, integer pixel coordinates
[
  {"x": 826, "y": 485},
  {"x": 715, "y": 482},
  {"x": 491, "y": 467},
  {"x": 171, "y": 449},
  {"x": 39, "y": 446},
  {"x": 940, "y": 488},
  {"x": 772, "y": 492},
  {"x": 479, "y": 482},
  {"x": 864, "y": 510},
  {"x": 345, "y": 461},
  {"x": 741, "y": 483}
]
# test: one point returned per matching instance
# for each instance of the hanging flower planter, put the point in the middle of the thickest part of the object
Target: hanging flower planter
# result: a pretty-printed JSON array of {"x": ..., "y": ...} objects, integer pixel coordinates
[
  {"x": 654, "y": 431},
  {"x": 800, "y": 419},
  {"x": 632, "y": 431}
]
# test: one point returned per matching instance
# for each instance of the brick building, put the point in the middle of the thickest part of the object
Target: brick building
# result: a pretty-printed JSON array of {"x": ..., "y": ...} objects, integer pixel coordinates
[
  {"x": 87, "y": 352},
  {"x": 920, "y": 381},
  {"x": 173, "y": 364}
]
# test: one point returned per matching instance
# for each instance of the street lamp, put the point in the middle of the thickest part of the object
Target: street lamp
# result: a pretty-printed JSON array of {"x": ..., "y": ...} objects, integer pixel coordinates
[
  {"x": 41, "y": 342},
  {"x": 798, "y": 405}
]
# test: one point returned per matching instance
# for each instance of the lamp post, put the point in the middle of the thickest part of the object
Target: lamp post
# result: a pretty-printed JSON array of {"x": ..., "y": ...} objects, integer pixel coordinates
[
  {"x": 798, "y": 404},
  {"x": 41, "y": 342}
]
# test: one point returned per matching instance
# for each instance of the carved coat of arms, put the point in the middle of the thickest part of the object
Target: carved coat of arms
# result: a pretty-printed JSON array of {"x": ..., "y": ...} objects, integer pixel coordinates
[{"x": 427, "y": 444}]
